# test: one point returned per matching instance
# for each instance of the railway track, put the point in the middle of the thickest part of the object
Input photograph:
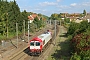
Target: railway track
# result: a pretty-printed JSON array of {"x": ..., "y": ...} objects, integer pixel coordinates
[
  {"x": 44, "y": 54},
  {"x": 19, "y": 56},
  {"x": 24, "y": 54}
]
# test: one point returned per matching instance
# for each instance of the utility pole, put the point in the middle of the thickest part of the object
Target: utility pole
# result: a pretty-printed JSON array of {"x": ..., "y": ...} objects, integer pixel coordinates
[
  {"x": 28, "y": 31},
  {"x": 24, "y": 27},
  {"x": 55, "y": 28},
  {"x": 7, "y": 25},
  {"x": 55, "y": 31},
  {"x": 17, "y": 33},
  {"x": 60, "y": 22},
  {"x": 50, "y": 22}
]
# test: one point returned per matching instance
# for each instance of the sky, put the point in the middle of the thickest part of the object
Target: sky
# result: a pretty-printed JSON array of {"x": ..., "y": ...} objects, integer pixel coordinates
[{"x": 48, "y": 7}]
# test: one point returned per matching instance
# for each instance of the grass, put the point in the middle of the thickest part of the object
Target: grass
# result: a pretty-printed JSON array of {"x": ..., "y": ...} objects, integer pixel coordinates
[{"x": 2, "y": 37}]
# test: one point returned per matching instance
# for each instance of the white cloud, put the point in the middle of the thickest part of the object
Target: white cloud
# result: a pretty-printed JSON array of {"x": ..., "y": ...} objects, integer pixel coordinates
[
  {"x": 73, "y": 4},
  {"x": 63, "y": 6},
  {"x": 48, "y": 3},
  {"x": 45, "y": 10},
  {"x": 58, "y": 0},
  {"x": 86, "y": 4}
]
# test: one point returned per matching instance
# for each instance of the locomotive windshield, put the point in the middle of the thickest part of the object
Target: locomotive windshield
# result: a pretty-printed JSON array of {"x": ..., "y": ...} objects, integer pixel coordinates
[
  {"x": 34, "y": 43},
  {"x": 37, "y": 43}
]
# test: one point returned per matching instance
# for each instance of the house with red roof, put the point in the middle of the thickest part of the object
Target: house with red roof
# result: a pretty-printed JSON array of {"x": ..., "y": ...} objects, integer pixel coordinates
[{"x": 32, "y": 17}]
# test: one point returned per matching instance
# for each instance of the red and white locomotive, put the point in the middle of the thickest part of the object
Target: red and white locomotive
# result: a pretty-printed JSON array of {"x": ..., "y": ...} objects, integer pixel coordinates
[{"x": 38, "y": 43}]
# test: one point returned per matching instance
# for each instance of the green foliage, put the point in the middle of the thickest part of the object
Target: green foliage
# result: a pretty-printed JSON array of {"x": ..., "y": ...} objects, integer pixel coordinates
[
  {"x": 80, "y": 40},
  {"x": 75, "y": 57},
  {"x": 81, "y": 15},
  {"x": 84, "y": 12},
  {"x": 83, "y": 26},
  {"x": 9, "y": 15},
  {"x": 76, "y": 28},
  {"x": 38, "y": 23},
  {"x": 54, "y": 16},
  {"x": 85, "y": 55},
  {"x": 67, "y": 20},
  {"x": 73, "y": 27},
  {"x": 3, "y": 17}
]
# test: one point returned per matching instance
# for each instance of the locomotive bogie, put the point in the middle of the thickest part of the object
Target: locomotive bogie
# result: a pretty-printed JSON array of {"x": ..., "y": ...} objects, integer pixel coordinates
[{"x": 35, "y": 52}]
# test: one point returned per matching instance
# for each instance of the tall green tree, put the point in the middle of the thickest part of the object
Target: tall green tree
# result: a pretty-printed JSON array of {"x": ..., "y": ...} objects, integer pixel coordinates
[
  {"x": 24, "y": 15},
  {"x": 3, "y": 17},
  {"x": 73, "y": 28},
  {"x": 54, "y": 16},
  {"x": 84, "y": 12}
]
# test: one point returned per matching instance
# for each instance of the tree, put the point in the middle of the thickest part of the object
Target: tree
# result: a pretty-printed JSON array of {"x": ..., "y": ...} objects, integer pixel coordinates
[
  {"x": 10, "y": 14},
  {"x": 81, "y": 42},
  {"x": 24, "y": 15},
  {"x": 83, "y": 26},
  {"x": 67, "y": 20},
  {"x": 75, "y": 57},
  {"x": 36, "y": 21},
  {"x": 73, "y": 28},
  {"x": 54, "y": 16},
  {"x": 3, "y": 17},
  {"x": 84, "y": 12}
]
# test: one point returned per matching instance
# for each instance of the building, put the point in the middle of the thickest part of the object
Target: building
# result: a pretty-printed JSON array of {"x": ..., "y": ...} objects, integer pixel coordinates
[
  {"x": 87, "y": 17},
  {"x": 32, "y": 17}
]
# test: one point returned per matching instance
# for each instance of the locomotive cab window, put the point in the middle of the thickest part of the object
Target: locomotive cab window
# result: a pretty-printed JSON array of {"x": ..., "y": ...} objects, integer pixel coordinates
[
  {"x": 37, "y": 43},
  {"x": 32, "y": 44}
]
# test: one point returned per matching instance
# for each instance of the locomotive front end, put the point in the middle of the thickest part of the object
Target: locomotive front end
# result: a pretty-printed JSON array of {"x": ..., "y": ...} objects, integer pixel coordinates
[{"x": 35, "y": 47}]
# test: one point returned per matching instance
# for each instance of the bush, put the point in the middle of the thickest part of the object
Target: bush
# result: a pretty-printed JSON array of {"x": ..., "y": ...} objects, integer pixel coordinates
[{"x": 75, "y": 57}]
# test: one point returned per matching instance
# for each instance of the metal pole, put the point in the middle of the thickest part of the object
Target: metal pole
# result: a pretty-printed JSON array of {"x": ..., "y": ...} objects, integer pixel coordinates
[
  {"x": 50, "y": 22},
  {"x": 60, "y": 22},
  {"x": 55, "y": 28},
  {"x": 7, "y": 25},
  {"x": 17, "y": 33},
  {"x": 28, "y": 31},
  {"x": 24, "y": 27},
  {"x": 55, "y": 31}
]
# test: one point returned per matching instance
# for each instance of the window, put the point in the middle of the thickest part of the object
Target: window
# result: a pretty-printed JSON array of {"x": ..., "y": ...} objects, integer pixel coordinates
[
  {"x": 37, "y": 43},
  {"x": 32, "y": 44}
]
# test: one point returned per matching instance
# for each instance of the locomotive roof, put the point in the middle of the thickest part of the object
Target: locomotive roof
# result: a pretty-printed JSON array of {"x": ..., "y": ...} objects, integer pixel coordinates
[
  {"x": 41, "y": 37},
  {"x": 36, "y": 39},
  {"x": 44, "y": 36}
]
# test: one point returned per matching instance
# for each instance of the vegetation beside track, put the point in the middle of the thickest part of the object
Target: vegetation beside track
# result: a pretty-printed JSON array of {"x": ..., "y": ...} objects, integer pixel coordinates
[
  {"x": 61, "y": 50},
  {"x": 80, "y": 40},
  {"x": 77, "y": 43}
]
